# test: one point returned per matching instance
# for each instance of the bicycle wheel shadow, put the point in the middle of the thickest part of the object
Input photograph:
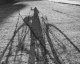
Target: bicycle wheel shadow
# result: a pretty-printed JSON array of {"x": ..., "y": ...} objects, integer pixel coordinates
[{"x": 7, "y": 10}]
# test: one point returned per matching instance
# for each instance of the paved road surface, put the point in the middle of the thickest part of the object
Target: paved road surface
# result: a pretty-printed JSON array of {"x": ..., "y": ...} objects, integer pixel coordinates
[
  {"x": 64, "y": 16},
  {"x": 75, "y": 0}
]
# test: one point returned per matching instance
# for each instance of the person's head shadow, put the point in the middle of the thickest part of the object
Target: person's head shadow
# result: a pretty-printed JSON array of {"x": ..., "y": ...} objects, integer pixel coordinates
[{"x": 7, "y": 10}]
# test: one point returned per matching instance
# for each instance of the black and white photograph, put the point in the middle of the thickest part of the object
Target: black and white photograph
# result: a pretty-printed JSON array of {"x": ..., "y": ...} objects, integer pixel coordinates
[{"x": 39, "y": 31}]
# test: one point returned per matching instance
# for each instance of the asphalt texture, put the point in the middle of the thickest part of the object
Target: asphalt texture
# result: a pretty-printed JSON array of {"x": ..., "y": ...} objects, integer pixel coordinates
[{"x": 65, "y": 16}]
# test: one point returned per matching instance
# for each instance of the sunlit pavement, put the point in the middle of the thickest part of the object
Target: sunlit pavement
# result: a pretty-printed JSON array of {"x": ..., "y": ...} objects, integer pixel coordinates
[
  {"x": 67, "y": 2},
  {"x": 64, "y": 16}
]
